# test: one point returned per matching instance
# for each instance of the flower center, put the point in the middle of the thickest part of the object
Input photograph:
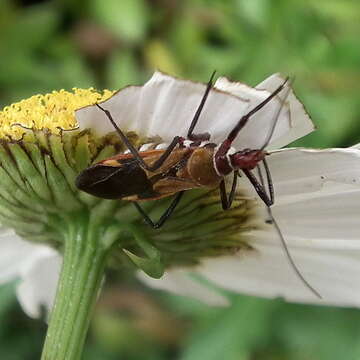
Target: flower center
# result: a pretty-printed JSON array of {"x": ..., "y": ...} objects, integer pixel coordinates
[{"x": 52, "y": 111}]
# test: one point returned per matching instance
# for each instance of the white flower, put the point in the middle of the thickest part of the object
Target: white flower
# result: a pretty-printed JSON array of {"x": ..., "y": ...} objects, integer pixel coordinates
[
  {"x": 35, "y": 266},
  {"x": 316, "y": 198}
]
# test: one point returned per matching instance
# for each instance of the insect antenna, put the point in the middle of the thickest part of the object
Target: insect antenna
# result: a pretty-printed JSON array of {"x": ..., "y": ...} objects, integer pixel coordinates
[
  {"x": 277, "y": 228},
  {"x": 277, "y": 114}
]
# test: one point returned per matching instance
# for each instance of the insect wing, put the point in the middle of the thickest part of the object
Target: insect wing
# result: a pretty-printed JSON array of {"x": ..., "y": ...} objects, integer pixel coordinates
[
  {"x": 119, "y": 159},
  {"x": 115, "y": 178}
]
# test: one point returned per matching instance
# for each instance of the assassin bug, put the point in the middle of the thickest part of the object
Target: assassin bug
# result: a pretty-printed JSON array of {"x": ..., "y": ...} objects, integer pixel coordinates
[{"x": 186, "y": 163}]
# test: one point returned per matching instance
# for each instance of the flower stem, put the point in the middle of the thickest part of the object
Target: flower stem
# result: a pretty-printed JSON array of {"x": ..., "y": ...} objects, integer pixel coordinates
[{"x": 80, "y": 280}]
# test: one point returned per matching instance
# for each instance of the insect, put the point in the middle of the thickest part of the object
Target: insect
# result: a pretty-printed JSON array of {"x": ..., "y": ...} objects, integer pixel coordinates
[{"x": 186, "y": 163}]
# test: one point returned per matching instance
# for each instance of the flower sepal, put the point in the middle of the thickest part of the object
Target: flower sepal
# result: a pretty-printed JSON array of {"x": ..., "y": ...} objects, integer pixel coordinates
[{"x": 151, "y": 263}]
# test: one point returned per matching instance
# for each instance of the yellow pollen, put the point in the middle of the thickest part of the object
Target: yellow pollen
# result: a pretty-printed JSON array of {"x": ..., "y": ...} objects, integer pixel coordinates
[{"x": 53, "y": 111}]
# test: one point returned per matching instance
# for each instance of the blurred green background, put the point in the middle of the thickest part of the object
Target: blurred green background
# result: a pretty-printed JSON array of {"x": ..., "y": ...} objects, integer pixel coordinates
[{"x": 46, "y": 45}]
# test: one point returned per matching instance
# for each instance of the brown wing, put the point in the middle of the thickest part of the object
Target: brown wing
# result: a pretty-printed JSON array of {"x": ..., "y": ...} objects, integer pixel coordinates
[
  {"x": 119, "y": 159},
  {"x": 150, "y": 157},
  {"x": 166, "y": 187}
]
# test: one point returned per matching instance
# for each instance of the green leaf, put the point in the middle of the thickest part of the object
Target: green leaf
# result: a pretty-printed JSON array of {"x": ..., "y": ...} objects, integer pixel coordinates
[
  {"x": 7, "y": 297},
  {"x": 233, "y": 332},
  {"x": 122, "y": 69},
  {"x": 127, "y": 19},
  {"x": 159, "y": 56}
]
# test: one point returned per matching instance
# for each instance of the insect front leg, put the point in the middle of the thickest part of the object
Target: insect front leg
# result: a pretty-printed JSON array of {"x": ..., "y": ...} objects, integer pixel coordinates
[
  {"x": 226, "y": 201},
  {"x": 165, "y": 216},
  {"x": 268, "y": 180}
]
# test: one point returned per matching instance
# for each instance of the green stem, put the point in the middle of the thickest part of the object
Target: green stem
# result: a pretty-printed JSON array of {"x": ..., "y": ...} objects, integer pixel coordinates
[{"x": 80, "y": 280}]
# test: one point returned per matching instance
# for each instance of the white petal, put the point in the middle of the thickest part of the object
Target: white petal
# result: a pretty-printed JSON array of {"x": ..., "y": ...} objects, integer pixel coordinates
[
  {"x": 297, "y": 171},
  {"x": 325, "y": 218},
  {"x": 300, "y": 122},
  {"x": 15, "y": 254},
  {"x": 122, "y": 106},
  {"x": 179, "y": 282},
  {"x": 323, "y": 236},
  {"x": 292, "y": 123},
  {"x": 255, "y": 132},
  {"x": 333, "y": 273},
  {"x": 164, "y": 107},
  {"x": 38, "y": 286}
]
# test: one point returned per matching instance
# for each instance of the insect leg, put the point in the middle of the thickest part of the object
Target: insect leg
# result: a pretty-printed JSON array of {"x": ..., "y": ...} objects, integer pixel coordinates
[
  {"x": 167, "y": 213},
  {"x": 135, "y": 152},
  {"x": 269, "y": 181},
  {"x": 225, "y": 201},
  {"x": 259, "y": 188},
  {"x": 204, "y": 136}
]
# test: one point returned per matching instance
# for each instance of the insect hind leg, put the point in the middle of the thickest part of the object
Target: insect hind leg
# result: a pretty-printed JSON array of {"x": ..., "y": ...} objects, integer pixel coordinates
[{"x": 165, "y": 216}]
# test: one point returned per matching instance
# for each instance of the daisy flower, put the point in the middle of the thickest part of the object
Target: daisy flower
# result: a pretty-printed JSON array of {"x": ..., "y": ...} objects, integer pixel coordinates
[{"x": 43, "y": 151}]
